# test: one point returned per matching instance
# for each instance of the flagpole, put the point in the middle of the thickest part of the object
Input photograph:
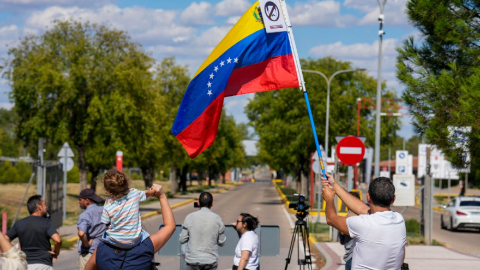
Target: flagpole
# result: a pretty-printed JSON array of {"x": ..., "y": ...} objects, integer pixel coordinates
[{"x": 301, "y": 82}]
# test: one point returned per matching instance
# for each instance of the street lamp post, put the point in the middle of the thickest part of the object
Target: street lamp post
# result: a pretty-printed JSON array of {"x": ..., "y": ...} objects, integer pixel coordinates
[
  {"x": 329, "y": 80},
  {"x": 381, "y": 18}
]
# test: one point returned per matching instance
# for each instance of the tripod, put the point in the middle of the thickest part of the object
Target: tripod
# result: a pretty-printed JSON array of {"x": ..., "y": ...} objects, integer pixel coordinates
[{"x": 301, "y": 230}]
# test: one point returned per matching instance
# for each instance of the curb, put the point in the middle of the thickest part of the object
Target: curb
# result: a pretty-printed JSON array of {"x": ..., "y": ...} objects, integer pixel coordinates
[{"x": 159, "y": 212}]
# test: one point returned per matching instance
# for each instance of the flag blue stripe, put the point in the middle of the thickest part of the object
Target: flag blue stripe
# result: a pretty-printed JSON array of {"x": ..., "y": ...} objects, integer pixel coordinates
[{"x": 253, "y": 49}]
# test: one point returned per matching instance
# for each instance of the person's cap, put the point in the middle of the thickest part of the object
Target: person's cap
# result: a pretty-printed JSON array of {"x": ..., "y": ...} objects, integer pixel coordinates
[{"x": 90, "y": 194}]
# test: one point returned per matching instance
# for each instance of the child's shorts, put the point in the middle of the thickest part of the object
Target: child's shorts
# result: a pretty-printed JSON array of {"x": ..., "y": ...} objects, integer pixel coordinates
[{"x": 107, "y": 239}]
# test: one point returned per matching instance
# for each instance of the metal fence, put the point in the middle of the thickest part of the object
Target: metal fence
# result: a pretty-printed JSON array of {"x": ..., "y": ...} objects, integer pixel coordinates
[{"x": 54, "y": 193}]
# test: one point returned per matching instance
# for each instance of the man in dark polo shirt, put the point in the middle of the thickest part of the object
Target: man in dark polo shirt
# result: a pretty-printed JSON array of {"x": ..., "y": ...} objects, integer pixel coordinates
[
  {"x": 90, "y": 227},
  {"x": 34, "y": 233}
]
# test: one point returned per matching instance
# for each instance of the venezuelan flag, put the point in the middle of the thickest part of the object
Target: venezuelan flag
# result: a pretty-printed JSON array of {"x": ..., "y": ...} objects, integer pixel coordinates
[{"x": 247, "y": 60}]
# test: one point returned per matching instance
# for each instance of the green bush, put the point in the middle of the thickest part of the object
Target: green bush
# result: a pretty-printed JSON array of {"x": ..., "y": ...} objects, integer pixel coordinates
[
  {"x": 8, "y": 173},
  {"x": 73, "y": 176},
  {"x": 24, "y": 170},
  {"x": 412, "y": 225},
  {"x": 136, "y": 176}
]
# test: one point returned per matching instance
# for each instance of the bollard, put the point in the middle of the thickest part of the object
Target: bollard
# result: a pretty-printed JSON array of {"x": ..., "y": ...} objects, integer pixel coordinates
[{"x": 4, "y": 222}]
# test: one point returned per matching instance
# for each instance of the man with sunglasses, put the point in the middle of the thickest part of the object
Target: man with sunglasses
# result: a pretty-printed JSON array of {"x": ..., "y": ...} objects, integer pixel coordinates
[
  {"x": 90, "y": 227},
  {"x": 204, "y": 232}
]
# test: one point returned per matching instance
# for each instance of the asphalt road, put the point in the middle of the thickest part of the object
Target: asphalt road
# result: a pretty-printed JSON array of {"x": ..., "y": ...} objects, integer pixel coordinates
[
  {"x": 463, "y": 240},
  {"x": 259, "y": 199}
]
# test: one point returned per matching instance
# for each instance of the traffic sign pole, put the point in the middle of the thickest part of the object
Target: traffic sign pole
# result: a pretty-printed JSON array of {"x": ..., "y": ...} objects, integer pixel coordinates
[{"x": 65, "y": 183}]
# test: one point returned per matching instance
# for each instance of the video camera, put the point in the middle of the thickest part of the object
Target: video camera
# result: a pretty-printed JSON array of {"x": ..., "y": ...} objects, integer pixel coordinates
[{"x": 301, "y": 206}]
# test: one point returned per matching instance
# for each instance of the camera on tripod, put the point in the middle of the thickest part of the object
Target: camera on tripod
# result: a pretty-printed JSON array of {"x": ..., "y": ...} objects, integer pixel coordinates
[{"x": 301, "y": 206}]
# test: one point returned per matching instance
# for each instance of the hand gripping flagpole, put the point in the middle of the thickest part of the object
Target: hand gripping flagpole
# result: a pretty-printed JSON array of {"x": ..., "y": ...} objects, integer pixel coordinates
[{"x": 301, "y": 82}]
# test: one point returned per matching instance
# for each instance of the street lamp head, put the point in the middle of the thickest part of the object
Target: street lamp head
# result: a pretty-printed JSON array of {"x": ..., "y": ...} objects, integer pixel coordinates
[{"x": 361, "y": 69}]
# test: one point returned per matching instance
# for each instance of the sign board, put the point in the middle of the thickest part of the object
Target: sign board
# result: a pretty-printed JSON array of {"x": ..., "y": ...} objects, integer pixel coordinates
[
  {"x": 69, "y": 165},
  {"x": 410, "y": 164},
  {"x": 350, "y": 150},
  {"x": 385, "y": 174},
  {"x": 401, "y": 162},
  {"x": 422, "y": 160},
  {"x": 69, "y": 151},
  {"x": 273, "y": 16},
  {"x": 404, "y": 189},
  {"x": 440, "y": 167}
]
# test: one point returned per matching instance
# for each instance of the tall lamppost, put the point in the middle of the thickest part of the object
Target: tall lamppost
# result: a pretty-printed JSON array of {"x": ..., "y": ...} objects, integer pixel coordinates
[
  {"x": 329, "y": 80},
  {"x": 381, "y": 18}
]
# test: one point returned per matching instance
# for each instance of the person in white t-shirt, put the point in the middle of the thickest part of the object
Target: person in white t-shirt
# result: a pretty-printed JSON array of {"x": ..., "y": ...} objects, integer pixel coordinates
[
  {"x": 379, "y": 234},
  {"x": 246, "y": 252}
]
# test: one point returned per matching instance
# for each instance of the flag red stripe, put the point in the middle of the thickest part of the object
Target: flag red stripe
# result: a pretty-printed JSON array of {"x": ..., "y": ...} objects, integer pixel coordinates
[
  {"x": 201, "y": 133},
  {"x": 272, "y": 74}
]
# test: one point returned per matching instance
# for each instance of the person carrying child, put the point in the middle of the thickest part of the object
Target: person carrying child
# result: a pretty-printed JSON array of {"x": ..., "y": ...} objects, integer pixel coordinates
[{"x": 121, "y": 211}]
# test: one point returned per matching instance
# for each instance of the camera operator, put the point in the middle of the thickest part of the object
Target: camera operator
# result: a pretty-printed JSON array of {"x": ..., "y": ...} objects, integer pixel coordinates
[
  {"x": 204, "y": 232},
  {"x": 378, "y": 233}
]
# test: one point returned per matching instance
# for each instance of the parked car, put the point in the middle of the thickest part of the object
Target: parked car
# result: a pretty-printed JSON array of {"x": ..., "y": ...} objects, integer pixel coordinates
[{"x": 461, "y": 212}]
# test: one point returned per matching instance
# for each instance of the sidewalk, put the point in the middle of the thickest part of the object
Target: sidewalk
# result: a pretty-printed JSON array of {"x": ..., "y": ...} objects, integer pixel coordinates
[
  {"x": 152, "y": 209},
  {"x": 417, "y": 257}
]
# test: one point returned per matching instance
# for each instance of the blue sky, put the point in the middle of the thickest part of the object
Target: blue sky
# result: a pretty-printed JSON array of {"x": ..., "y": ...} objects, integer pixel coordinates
[{"x": 189, "y": 30}]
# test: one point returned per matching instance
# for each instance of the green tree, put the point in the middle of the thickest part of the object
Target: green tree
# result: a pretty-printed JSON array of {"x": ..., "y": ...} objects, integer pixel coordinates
[
  {"x": 281, "y": 120},
  {"x": 441, "y": 75},
  {"x": 78, "y": 82},
  {"x": 9, "y": 145},
  {"x": 171, "y": 81},
  {"x": 8, "y": 173}
]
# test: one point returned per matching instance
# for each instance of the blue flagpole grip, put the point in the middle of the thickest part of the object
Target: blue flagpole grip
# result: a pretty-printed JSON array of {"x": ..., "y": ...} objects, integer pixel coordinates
[{"x": 320, "y": 158}]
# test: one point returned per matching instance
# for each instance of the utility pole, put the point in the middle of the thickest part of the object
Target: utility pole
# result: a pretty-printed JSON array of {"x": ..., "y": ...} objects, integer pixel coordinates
[
  {"x": 427, "y": 202},
  {"x": 381, "y": 18},
  {"x": 40, "y": 190}
]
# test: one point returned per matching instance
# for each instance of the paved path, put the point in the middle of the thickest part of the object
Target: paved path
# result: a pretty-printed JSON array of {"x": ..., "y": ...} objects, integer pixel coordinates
[
  {"x": 417, "y": 257},
  {"x": 259, "y": 199}
]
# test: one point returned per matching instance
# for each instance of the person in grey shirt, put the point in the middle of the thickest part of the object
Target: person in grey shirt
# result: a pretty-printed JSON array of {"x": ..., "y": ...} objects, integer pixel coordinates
[
  {"x": 347, "y": 241},
  {"x": 90, "y": 227},
  {"x": 204, "y": 232}
]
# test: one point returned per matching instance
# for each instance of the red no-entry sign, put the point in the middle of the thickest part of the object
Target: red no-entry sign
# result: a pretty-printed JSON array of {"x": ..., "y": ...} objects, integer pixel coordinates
[{"x": 350, "y": 150}]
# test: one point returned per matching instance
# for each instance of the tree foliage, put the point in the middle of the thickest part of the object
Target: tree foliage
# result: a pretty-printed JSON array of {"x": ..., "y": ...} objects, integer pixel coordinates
[
  {"x": 81, "y": 83},
  {"x": 441, "y": 73},
  {"x": 281, "y": 120}
]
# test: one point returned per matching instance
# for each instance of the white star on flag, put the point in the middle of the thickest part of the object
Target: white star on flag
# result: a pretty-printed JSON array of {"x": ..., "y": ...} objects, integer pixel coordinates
[
  {"x": 235, "y": 60},
  {"x": 215, "y": 69},
  {"x": 229, "y": 60},
  {"x": 209, "y": 84},
  {"x": 222, "y": 63},
  {"x": 209, "y": 92},
  {"x": 211, "y": 76}
]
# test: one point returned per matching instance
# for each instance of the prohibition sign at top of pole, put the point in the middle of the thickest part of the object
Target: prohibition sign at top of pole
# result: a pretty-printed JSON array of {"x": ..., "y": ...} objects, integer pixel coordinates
[
  {"x": 350, "y": 150},
  {"x": 273, "y": 13}
]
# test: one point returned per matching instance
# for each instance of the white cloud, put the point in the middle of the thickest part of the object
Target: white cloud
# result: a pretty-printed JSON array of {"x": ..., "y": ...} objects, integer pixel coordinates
[
  {"x": 319, "y": 13},
  {"x": 149, "y": 26},
  {"x": 231, "y": 7},
  {"x": 233, "y": 19},
  {"x": 5, "y": 105},
  {"x": 394, "y": 12},
  {"x": 22, "y": 5},
  {"x": 235, "y": 106},
  {"x": 357, "y": 50},
  {"x": 197, "y": 14},
  {"x": 8, "y": 37}
]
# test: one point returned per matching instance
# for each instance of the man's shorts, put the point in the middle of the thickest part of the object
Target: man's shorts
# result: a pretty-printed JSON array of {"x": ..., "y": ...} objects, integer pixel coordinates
[
  {"x": 212, "y": 266},
  {"x": 83, "y": 259},
  {"x": 138, "y": 258}
]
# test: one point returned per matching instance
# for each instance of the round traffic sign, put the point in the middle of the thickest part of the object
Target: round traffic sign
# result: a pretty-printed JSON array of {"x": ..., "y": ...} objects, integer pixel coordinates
[
  {"x": 69, "y": 163},
  {"x": 350, "y": 150}
]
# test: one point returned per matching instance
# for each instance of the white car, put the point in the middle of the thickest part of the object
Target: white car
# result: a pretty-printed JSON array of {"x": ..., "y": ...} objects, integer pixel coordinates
[{"x": 461, "y": 212}]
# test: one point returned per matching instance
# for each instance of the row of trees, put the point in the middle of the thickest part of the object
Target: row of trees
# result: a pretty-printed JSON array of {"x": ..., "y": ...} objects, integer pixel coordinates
[{"x": 98, "y": 90}]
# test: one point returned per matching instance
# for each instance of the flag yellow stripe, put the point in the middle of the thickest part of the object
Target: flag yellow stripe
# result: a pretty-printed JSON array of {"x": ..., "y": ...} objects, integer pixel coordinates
[{"x": 246, "y": 26}]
